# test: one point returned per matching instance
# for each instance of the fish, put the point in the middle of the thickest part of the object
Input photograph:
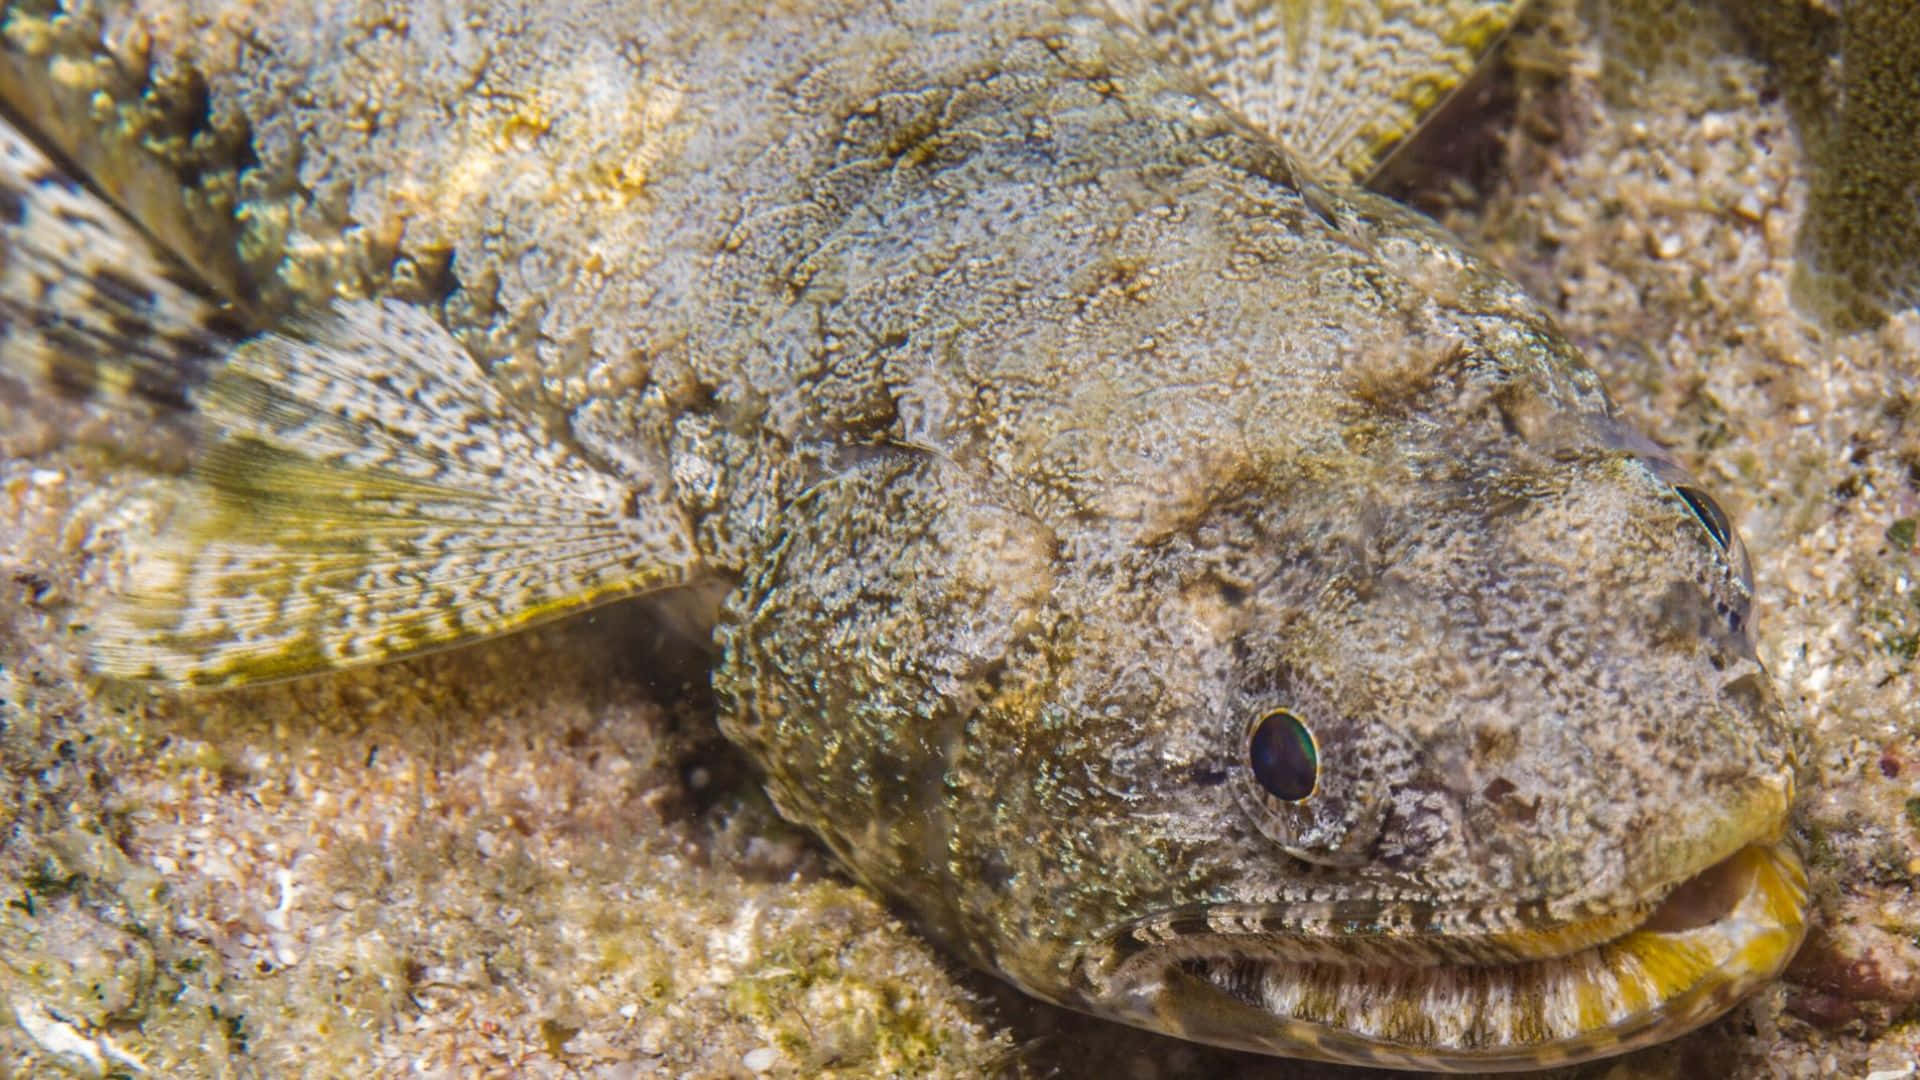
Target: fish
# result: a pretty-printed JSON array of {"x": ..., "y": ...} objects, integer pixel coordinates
[{"x": 1199, "y": 590}]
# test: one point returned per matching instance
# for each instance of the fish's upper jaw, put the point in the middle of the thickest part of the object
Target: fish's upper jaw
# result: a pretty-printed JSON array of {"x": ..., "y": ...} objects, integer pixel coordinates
[{"x": 1418, "y": 1004}]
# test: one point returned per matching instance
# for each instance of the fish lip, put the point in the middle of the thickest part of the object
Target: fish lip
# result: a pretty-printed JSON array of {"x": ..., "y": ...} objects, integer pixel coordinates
[{"x": 1710, "y": 941}]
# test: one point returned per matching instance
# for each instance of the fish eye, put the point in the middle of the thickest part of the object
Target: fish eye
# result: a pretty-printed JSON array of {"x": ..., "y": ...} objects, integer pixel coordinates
[
  {"x": 1285, "y": 761},
  {"x": 1708, "y": 513}
]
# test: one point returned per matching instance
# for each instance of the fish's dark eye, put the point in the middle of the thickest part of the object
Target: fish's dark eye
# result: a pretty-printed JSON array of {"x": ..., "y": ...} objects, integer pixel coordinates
[
  {"x": 1708, "y": 512},
  {"x": 1285, "y": 761}
]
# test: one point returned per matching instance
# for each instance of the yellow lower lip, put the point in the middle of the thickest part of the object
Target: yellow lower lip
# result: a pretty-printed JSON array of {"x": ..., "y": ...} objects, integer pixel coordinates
[
  {"x": 1720, "y": 936},
  {"x": 1678, "y": 970}
]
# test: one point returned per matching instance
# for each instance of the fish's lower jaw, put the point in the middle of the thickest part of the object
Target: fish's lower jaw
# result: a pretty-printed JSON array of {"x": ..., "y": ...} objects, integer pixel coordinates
[{"x": 1719, "y": 937}]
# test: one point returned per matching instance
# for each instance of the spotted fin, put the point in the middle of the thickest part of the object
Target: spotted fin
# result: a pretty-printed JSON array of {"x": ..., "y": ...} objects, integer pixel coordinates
[
  {"x": 1340, "y": 82},
  {"x": 88, "y": 307},
  {"x": 369, "y": 494}
]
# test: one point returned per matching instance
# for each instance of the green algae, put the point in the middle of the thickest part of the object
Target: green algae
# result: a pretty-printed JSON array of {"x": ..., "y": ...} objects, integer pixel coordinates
[{"x": 1900, "y": 535}]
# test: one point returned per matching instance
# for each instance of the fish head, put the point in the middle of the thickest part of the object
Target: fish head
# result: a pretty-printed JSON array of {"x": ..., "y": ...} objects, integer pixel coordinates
[
  {"x": 1548, "y": 689},
  {"x": 1465, "y": 758}
]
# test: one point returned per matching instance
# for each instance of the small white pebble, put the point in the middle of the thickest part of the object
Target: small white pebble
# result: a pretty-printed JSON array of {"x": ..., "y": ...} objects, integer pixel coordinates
[
  {"x": 116, "y": 1052},
  {"x": 760, "y": 1060},
  {"x": 1667, "y": 245},
  {"x": 280, "y": 915},
  {"x": 653, "y": 1036},
  {"x": 61, "y": 1039},
  {"x": 47, "y": 478},
  {"x": 488, "y": 843}
]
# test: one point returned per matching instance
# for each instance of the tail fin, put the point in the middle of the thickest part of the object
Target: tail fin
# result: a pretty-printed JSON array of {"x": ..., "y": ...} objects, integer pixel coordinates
[{"x": 88, "y": 307}]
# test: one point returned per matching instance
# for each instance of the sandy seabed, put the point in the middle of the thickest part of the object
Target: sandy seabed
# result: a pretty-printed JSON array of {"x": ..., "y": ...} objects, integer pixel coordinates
[{"x": 536, "y": 856}]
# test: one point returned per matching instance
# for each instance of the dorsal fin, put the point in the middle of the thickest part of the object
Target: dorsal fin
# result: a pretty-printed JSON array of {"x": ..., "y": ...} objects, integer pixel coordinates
[
  {"x": 1340, "y": 82},
  {"x": 370, "y": 494}
]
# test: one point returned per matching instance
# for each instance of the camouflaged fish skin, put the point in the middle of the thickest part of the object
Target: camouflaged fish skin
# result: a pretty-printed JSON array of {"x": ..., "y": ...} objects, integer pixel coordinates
[{"x": 1051, "y": 429}]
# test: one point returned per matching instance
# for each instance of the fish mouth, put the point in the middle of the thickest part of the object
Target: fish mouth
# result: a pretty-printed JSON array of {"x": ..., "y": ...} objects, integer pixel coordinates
[{"x": 1510, "y": 998}]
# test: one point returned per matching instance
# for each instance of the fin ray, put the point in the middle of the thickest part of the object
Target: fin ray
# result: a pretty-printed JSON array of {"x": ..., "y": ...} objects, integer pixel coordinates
[
  {"x": 1340, "y": 82},
  {"x": 88, "y": 308},
  {"x": 371, "y": 495}
]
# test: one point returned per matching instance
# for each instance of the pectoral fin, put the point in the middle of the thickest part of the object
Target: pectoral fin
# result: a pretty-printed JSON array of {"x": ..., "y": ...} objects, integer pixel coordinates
[
  {"x": 369, "y": 494},
  {"x": 88, "y": 308},
  {"x": 1340, "y": 82}
]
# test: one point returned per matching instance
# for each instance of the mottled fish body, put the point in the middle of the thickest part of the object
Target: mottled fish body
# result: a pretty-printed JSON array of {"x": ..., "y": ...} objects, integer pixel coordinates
[{"x": 1196, "y": 587}]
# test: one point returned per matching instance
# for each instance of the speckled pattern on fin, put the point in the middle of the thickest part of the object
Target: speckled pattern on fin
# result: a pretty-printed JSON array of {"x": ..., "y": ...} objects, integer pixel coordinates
[
  {"x": 369, "y": 494},
  {"x": 1340, "y": 82},
  {"x": 87, "y": 308}
]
